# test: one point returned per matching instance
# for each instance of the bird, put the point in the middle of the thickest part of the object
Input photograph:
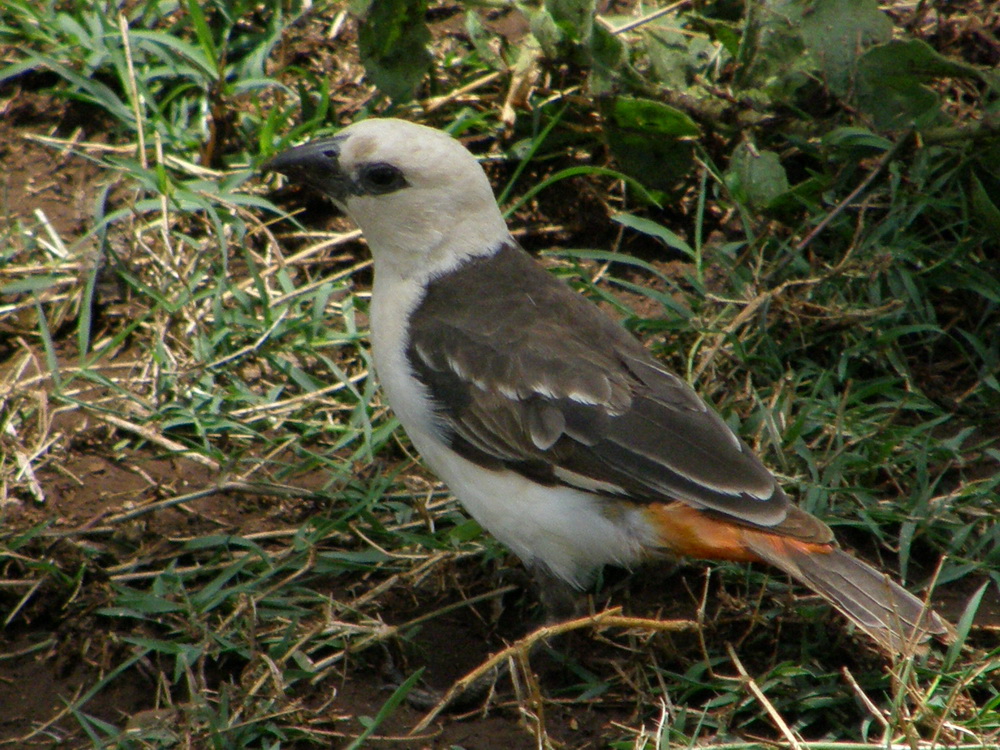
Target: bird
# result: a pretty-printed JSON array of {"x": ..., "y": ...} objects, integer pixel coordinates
[{"x": 555, "y": 428}]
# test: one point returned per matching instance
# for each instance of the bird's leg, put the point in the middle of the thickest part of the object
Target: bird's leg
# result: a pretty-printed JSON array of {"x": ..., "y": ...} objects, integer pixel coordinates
[{"x": 560, "y": 600}]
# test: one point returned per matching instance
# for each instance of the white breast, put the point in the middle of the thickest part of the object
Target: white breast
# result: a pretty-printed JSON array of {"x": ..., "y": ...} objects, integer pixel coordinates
[
  {"x": 393, "y": 301},
  {"x": 570, "y": 531}
]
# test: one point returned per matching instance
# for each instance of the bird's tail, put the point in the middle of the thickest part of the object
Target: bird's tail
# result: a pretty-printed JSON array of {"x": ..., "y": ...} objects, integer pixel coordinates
[
  {"x": 803, "y": 547},
  {"x": 891, "y": 615}
]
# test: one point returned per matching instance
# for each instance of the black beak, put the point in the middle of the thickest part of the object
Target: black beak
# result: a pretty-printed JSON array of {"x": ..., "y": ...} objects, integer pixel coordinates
[{"x": 315, "y": 164}]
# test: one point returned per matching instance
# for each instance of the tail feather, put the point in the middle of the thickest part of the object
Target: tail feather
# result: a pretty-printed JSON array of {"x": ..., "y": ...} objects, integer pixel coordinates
[{"x": 883, "y": 609}]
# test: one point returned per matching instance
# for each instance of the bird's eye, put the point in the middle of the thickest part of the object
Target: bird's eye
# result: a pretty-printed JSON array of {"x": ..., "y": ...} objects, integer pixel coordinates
[{"x": 381, "y": 178}]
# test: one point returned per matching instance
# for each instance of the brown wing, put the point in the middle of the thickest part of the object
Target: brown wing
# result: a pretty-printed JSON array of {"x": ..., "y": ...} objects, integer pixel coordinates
[{"x": 528, "y": 375}]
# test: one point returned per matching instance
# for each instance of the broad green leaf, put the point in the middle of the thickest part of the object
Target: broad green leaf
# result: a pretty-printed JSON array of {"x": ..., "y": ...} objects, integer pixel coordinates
[
  {"x": 678, "y": 57},
  {"x": 650, "y": 140},
  {"x": 836, "y": 32},
  {"x": 890, "y": 82},
  {"x": 668, "y": 52},
  {"x": 575, "y": 18},
  {"x": 609, "y": 63},
  {"x": 756, "y": 177},
  {"x": 773, "y": 49},
  {"x": 392, "y": 39},
  {"x": 651, "y": 117},
  {"x": 726, "y": 33},
  {"x": 789, "y": 42}
]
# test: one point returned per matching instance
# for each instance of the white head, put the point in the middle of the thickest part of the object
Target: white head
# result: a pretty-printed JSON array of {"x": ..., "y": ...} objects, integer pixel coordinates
[{"x": 420, "y": 198}]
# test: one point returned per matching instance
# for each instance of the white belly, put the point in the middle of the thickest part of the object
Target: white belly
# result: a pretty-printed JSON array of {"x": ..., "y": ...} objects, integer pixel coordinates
[{"x": 570, "y": 531}]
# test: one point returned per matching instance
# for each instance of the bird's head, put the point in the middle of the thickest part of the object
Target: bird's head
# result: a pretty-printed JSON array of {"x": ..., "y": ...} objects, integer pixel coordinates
[{"x": 420, "y": 198}]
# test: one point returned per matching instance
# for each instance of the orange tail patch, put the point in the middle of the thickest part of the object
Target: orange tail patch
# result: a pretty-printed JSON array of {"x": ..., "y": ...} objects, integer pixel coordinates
[
  {"x": 803, "y": 547},
  {"x": 688, "y": 531}
]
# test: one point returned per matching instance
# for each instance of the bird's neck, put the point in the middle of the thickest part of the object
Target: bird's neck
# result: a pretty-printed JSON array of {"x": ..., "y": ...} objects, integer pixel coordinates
[{"x": 417, "y": 253}]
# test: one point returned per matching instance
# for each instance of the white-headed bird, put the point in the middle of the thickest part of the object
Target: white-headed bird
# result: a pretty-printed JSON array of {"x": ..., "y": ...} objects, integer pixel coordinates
[{"x": 554, "y": 427}]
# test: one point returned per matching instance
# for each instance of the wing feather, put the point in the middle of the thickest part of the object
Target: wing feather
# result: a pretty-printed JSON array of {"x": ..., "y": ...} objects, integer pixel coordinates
[{"x": 526, "y": 374}]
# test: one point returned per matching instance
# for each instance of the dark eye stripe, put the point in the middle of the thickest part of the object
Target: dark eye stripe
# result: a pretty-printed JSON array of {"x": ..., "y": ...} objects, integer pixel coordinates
[{"x": 380, "y": 178}]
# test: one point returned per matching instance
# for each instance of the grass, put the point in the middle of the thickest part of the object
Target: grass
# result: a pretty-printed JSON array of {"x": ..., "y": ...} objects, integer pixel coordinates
[{"x": 258, "y": 538}]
